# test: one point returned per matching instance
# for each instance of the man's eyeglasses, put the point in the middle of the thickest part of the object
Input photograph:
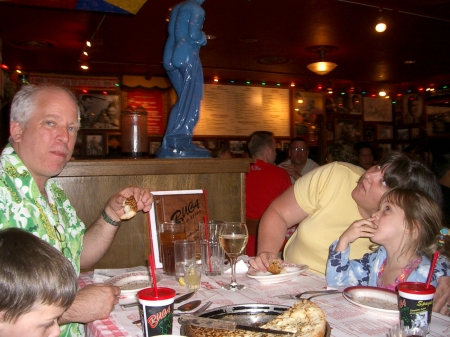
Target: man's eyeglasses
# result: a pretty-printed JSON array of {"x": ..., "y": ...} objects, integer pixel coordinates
[{"x": 295, "y": 149}]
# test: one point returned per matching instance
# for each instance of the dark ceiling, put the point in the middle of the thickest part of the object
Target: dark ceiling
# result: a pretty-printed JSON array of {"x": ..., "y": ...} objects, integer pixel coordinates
[{"x": 418, "y": 30}]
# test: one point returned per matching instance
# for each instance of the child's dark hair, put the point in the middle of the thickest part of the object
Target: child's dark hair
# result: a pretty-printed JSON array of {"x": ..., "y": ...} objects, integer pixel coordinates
[
  {"x": 424, "y": 215},
  {"x": 32, "y": 272}
]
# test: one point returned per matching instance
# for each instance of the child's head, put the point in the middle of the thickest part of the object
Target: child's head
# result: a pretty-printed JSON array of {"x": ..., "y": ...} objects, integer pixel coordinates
[
  {"x": 37, "y": 284},
  {"x": 422, "y": 219}
]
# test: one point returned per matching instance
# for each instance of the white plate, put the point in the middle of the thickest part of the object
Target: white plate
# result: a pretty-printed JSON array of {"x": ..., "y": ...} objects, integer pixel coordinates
[
  {"x": 130, "y": 283},
  {"x": 291, "y": 272},
  {"x": 378, "y": 300}
]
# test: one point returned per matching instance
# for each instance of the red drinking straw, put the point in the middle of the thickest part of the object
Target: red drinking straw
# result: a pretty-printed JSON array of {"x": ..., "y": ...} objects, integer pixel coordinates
[
  {"x": 433, "y": 264},
  {"x": 151, "y": 258},
  {"x": 208, "y": 252}
]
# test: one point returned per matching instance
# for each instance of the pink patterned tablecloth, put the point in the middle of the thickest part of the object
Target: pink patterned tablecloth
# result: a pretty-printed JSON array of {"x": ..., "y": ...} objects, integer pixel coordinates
[{"x": 344, "y": 318}]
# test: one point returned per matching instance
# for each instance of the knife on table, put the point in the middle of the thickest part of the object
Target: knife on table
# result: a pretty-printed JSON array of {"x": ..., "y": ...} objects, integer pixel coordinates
[
  {"x": 199, "y": 311},
  {"x": 224, "y": 325}
]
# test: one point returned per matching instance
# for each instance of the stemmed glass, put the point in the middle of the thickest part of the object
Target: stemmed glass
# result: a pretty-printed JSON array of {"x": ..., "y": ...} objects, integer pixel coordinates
[{"x": 233, "y": 237}]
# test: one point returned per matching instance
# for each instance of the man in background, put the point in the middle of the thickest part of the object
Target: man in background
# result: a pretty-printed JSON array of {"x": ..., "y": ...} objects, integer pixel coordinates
[
  {"x": 299, "y": 164},
  {"x": 264, "y": 182},
  {"x": 366, "y": 155}
]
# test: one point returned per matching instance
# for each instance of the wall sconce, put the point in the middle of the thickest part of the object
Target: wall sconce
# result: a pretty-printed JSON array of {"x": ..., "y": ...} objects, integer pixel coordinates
[
  {"x": 322, "y": 67},
  {"x": 381, "y": 25}
]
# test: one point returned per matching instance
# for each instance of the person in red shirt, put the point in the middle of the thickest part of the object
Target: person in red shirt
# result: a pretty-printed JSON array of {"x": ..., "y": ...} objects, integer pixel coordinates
[{"x": 264, "y": 182}]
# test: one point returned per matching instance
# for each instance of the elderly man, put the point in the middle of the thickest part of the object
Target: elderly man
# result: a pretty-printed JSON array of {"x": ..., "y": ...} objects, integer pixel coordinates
[
  {"x": 265, "y": 181},
  {"x": 43, "y": 129},
  {"x": 299, "y": 164},
  {"x": 327, "y": 200}
]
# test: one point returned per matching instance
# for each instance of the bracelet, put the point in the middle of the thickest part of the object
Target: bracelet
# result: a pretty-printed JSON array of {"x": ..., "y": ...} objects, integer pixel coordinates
[{"x": 109, "y": 220}]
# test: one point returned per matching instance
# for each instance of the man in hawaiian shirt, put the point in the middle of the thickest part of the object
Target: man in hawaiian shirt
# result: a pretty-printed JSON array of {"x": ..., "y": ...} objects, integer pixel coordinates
[{"x": 43, "y": 129}]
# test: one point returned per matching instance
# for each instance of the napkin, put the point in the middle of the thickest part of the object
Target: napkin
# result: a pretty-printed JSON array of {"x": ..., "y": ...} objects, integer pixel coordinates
[
  {"x": 241, "y": 268},
  {"x": 102, "y": 275}
]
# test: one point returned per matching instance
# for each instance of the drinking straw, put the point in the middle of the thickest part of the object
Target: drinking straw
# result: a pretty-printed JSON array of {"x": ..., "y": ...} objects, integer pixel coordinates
[
  {"x": 151, "y": 258},
  {"x": 208, "y": 252},
  {"x": 433, "y": 264}
]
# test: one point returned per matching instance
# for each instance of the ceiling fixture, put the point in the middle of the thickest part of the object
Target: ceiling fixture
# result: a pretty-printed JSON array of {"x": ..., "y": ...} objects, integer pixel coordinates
[
  {"x": 381, "y": 25},
  {"x": 321, "y": 67},
  {"x": 84, "y": 65}
]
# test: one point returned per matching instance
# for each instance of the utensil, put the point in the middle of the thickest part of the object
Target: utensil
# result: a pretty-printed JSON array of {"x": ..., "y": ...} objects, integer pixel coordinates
[
  {"x": 189, "y": 306},
  {"x": 199, "y": 311},
  {"x": 314, "y": 293},
  {"x": 184, "y": 297},
  {"x": 224, "y": 324},
  {"x": 433, "y": 265},
  {"x": 233, "y": 237}
]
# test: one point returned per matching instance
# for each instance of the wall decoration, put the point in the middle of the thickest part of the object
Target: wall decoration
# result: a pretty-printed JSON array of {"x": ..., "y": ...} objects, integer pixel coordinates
[
  {"x": 355, "y": 104},
  {"x": 370, "y": 130},
  {"x": 438, "y": 119},
  {"x": 237, "y": 146},
  {"x": 113, "y": 145},
  {"x": 384, "y": 148},
  {"x": 340, "y": 105},
  {"x": 94, "y": 145},
  {"x": 412, "y": 108},
  {"x": 385, "y": 131},
  {"x": 403, "y": 134},
  {"x": 377, "y": 109},
  {"x": 100, "y": 111},
  {"x": 153, "y": 147},
  {"x": 285, "y": 145},
  {"x": 211, "y": 144},
  {"x": 307, "y": 107},
  {"x": 415, "y": 133},
  {"x": 348, "y": 130}
]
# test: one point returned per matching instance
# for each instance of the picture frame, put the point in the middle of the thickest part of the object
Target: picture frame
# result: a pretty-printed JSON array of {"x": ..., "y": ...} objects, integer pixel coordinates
[
  {"x": 355, "y": 104},
  {"x": 211, "y": 144},
  {"x": 369, "y": 132},
  {"x": 385, "y": 131},
  {"x": 415, "y": 133},
  {"x": 384, "y": 148},
  {"x": 285, "y": 145},
  {"x": 153, "y": 146},
  {"x": 100, "y": 111},
  {"x": 94, "y": 145},
  {"x": 403, "y": 134},
  {"x": 377, "y": 109},
  {"x": 113, "y": 146},
  {"x": 348, "y": 130},
  {"x": 307, "y": 106},
  {"x": 237, "y": 146},
  {"x": 412, "y": 107},
  {"x": 438, "y": 118}
]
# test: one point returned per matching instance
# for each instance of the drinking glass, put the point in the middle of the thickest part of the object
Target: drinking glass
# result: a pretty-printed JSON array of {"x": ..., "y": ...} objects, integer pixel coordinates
[{"x": 233, "y": 237}]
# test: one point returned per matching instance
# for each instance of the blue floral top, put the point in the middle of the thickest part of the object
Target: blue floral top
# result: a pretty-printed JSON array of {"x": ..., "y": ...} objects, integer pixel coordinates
[{"x": 342, "y": 272}]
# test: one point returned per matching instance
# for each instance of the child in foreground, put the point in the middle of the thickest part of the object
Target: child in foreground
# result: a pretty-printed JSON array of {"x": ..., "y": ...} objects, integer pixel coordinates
[
  {"x": 407, "y": 230},
  {"x": 37, "y": 284}
]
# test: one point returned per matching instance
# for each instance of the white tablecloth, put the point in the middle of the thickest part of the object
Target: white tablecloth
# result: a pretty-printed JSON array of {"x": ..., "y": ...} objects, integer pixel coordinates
[{"x": 344, "y": 318}]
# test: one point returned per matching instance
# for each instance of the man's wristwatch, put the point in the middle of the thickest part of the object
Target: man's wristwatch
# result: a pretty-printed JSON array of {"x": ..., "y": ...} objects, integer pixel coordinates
[{"x": 109, "y": 220}]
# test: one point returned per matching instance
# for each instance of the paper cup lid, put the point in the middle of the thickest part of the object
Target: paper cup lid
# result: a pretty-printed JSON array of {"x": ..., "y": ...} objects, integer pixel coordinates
[
  {"x": 416, "y": 288},
  {"x": 148, "y": 294}
]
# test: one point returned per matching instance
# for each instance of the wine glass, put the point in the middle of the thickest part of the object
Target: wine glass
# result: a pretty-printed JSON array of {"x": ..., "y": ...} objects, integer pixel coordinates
[{"x": 233, "y": 237}]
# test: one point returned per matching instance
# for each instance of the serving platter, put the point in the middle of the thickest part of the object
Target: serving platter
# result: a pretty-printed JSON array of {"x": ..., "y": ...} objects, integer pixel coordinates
[
  {"x": 291, "y": 271},
  {"x": 253, "y": 314},
  {"x": 374, "y": 299}
]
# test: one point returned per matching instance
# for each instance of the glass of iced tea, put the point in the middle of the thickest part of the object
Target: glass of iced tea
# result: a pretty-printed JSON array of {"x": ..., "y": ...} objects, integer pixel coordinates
[{"x": 169, "y": 231}]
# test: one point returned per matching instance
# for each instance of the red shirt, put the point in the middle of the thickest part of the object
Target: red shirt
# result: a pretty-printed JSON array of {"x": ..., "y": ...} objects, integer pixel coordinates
[{"x": 264, "y": 182}]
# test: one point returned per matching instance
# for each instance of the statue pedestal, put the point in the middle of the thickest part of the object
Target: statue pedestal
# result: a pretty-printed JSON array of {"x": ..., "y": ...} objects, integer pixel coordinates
[{"x": 181, "y": 146}]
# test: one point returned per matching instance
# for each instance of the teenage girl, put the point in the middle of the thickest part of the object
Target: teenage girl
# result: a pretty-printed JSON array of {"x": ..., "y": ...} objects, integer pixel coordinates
[{"x": 406, "y": 230}]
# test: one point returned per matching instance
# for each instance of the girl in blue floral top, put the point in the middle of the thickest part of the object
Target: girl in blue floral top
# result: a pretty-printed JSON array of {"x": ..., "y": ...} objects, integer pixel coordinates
[{"x": 406, "y": 230}]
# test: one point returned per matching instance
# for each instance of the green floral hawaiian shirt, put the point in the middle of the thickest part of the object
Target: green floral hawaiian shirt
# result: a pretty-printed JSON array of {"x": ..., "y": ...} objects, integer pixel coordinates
[{"x": 23, "y": 206}]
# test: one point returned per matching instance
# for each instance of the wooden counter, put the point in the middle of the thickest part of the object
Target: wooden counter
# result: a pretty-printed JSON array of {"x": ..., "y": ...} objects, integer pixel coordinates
[{"x": 90, "y": 183}]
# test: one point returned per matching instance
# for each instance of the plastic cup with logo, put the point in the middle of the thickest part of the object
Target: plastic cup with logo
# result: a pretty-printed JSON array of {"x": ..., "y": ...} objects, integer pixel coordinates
[
  {"x": 415, "y": 304},
  {"x": 169, "y": 232},
  {"x": 156, "y": 311},
  {"x": 184, "y": 256},
  {"x": 212, "y": 253}
]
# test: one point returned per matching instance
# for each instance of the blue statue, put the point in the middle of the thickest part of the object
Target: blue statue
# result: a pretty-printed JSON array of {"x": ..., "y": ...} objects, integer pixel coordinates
[{"x": 181, "y": 60}]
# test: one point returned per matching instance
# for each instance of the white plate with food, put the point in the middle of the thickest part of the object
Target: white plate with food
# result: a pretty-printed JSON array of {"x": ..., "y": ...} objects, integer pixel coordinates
[
  {"x": 287, "y": 273},
  {"x": 130, "y": 283},
  {"x": 374, "y": 299}
]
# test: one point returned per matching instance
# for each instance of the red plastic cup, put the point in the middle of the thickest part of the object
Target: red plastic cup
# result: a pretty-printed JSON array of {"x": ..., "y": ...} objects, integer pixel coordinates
[
  {"x": 156, "y": 311},
  {"x": 415, "y": 304}
]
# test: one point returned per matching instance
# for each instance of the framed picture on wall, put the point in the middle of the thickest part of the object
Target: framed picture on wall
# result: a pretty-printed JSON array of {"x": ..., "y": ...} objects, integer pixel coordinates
[
  {"x": 385, "y": 131},
  {"x": 377, "y": 109},
  {"x": 100, "y": 111},
  {"x": 415, "y": 133},
  {"x": 153, "y": 147},
  {"x": 403, "y": 134},
  {"x": 211, "y": 144},
  {"x": 355, "y": 104},
  {"x": 237, "y": 146},
  {"x": 285, "y": 145},
  {"x": 307, "y": 106},
  {"x": 369, "y": 132},
  {"x": 438, "y": 118},
  {"x": 412, "y": 108},
  {"x": 348, "y": 130},
  {"x": 384, "y": 148},
  {"x": 113, "y": 144},
  {"x": 94, "y": 145}
]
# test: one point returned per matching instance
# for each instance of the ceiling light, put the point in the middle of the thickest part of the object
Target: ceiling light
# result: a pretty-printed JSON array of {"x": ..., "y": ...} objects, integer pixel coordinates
[
  {"x": 322, "y": 67},
  {"x": 382, "y": 93},
  {"x": 381, "y": 25},
  {"x": 84, "y": 65}
]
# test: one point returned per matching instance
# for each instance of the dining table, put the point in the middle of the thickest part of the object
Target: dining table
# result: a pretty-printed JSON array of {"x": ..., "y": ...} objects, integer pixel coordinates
[{"x": 343, "y": 317}]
